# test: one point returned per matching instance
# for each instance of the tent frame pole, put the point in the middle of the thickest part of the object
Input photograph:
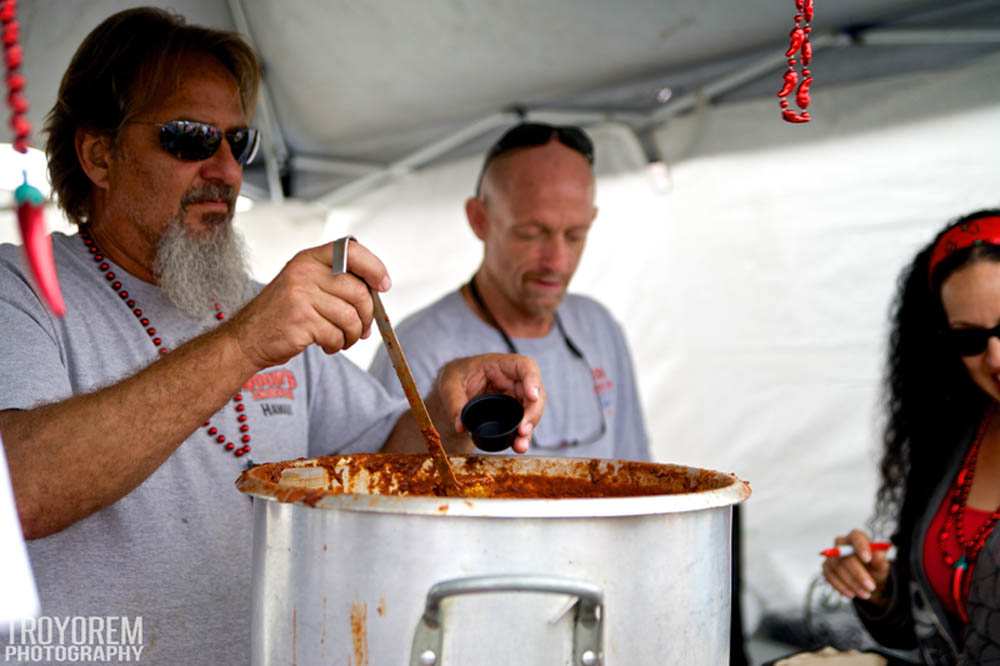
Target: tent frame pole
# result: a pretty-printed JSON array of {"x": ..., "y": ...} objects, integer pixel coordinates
[{"x": 273, "y": 143}]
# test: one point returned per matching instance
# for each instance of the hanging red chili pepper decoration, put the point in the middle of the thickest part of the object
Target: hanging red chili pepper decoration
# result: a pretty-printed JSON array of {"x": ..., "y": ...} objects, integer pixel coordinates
[
  {"x": 798, "y": 45},
  {"x": 38, "y": 245},
  {"x": 802, "y": 96},
  {"x": 30, "y": 202},
  {"x": 791, "y": 78},
  {"x": 796, "y": 38}
]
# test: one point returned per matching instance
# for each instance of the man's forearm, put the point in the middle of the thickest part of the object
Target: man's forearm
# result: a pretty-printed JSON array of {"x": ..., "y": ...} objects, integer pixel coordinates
[{"x": 75, "y": 457}]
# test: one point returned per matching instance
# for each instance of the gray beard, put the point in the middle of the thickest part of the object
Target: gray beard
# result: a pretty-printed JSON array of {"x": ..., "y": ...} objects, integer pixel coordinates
[{"x": 198, "y": 270}]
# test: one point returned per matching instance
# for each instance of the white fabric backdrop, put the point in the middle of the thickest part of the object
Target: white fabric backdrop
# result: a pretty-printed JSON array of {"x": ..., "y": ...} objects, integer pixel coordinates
[{"x": 753, "y": 281}]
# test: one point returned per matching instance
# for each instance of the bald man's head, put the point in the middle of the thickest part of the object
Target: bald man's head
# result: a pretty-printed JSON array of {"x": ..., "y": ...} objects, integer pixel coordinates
[
  {"x": 533, "y": 212},
  {"x": 530, "y": 135}
]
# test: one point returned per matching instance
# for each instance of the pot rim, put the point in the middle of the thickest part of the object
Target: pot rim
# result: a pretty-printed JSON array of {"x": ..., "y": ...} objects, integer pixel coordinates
[{"x": 735, "y": 492}]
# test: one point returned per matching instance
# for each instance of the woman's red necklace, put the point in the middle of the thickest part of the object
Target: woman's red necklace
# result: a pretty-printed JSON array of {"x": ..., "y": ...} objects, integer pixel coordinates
[
  {"x": 954, "y": 525},
  {"x": 115, "y": 283}
]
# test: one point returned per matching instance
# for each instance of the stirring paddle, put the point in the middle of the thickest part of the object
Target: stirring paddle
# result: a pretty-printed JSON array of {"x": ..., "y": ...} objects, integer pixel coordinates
[
  {"x": 431, "y": 437},
  {"x": 417, "y": 406}
]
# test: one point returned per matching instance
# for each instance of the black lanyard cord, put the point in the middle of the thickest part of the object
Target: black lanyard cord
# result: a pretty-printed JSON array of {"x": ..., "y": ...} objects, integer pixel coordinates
[{"x": 492, "y": 321}]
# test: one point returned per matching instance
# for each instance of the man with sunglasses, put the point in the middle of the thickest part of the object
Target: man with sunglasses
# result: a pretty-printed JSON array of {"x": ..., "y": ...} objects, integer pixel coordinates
[
  {"x": 126, "y": 422},
  {"x": 533, "y": 208}
]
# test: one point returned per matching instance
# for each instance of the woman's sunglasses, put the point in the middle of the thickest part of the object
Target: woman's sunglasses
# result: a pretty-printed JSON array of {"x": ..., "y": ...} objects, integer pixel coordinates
[
  {"x": 192, "y": 141},
  {"x": 971, "y": 341}
]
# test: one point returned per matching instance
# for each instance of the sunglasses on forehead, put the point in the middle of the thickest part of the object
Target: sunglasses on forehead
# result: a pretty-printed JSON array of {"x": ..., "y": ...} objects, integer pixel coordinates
[
  {"x": 529, "y": 135},
  {"x": 970, "y": 341},
  {"x": 192, "y": 141}
]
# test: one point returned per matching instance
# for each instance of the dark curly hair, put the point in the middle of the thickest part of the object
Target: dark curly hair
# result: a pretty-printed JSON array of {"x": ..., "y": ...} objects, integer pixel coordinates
[
  {"x": 117, "y": 71},
  {"x": 931, "y": 402}
]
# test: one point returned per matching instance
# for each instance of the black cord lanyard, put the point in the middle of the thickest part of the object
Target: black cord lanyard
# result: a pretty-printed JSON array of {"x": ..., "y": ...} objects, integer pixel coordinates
[{"x": 492, "y": 321}]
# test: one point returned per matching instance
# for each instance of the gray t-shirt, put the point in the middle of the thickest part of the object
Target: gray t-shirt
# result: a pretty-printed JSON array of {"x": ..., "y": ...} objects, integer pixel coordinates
[
  {"x": 580, "y": 392},
  {"x": 176, "y": 551}
]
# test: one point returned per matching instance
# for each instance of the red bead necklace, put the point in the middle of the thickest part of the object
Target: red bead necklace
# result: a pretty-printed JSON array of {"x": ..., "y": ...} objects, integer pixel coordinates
[
  {"x": 13, "y": 58},
  {"x": 213, "y": 432},
  {"x": 954, "y": 525}
]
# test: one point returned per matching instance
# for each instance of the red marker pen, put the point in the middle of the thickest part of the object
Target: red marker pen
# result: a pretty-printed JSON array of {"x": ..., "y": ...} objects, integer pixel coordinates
[{"x": 844, "y": 551}]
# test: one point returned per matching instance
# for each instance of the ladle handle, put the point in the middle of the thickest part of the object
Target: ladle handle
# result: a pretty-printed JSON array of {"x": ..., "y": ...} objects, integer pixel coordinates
[
  {"x": 395, "y": 351},
  {"x": 402, "y": 368}
]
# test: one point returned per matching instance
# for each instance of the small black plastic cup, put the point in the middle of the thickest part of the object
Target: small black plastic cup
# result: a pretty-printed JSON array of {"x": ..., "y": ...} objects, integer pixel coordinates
[{"x": 492, "y": 420}]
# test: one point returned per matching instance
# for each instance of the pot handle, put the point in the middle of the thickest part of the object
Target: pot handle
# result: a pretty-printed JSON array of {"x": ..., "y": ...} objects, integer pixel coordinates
[{"x": 587, "y": 626}]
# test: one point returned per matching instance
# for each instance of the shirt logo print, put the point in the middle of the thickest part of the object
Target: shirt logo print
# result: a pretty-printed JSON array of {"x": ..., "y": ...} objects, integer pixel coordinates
[
  {"x": 269, "y": 385},
  {"x": 603, "y": 387}
]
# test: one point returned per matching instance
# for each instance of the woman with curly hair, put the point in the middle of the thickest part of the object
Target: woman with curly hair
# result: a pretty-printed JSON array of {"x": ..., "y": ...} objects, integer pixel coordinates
[{"x": 940, "y": 469}]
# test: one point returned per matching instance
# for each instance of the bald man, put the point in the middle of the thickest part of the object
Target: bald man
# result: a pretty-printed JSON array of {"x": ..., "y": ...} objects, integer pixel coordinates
[{"x": 533, "y": 209}]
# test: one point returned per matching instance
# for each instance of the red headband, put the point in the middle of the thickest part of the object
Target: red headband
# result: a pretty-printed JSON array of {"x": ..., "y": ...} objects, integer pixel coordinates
[{"x": 974, "y": 232}]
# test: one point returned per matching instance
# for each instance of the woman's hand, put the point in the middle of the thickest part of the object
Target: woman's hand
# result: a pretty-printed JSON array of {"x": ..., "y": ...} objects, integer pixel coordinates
[{"x": 862, "y": 575}]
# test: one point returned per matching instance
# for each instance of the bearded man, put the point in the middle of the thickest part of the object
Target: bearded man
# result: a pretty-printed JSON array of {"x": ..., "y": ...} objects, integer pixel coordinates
[{"x": 126, "y": 422}]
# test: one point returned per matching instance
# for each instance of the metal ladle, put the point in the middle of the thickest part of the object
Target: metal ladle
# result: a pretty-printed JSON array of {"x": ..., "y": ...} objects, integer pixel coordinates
[{"x": 431, "y": 437}]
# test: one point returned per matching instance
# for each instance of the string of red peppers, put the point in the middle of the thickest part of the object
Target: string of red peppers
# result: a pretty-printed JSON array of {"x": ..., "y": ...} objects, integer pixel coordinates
[
  {"x": 30, "y": 202},
  {"x": 798, "y": 44}
]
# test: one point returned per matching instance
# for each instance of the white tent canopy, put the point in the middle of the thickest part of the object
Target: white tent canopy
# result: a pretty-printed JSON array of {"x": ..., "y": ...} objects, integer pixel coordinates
[
  {"x": 752, "y": 264},
  {"x": 376, "y": 89}
]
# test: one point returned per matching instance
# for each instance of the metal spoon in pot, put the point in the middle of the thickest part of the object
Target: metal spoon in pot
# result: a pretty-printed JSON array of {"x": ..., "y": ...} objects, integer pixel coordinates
[{"x": 431, "y": 437}]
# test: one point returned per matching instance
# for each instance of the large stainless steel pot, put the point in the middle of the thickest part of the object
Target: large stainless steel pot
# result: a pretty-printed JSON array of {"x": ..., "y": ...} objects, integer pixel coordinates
[{"x": 348, "y": 570}]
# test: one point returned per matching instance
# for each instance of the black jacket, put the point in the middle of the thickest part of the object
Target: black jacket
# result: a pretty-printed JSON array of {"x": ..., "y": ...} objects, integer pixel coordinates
[{"x": 915, "y": 617}]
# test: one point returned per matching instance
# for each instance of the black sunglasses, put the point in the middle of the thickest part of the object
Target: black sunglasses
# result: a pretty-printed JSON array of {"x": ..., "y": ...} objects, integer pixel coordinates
[
  {"x": 528, "y": 135},
  {"x": 971, "y": 341},
  {"x": 192, "y": 141}
]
